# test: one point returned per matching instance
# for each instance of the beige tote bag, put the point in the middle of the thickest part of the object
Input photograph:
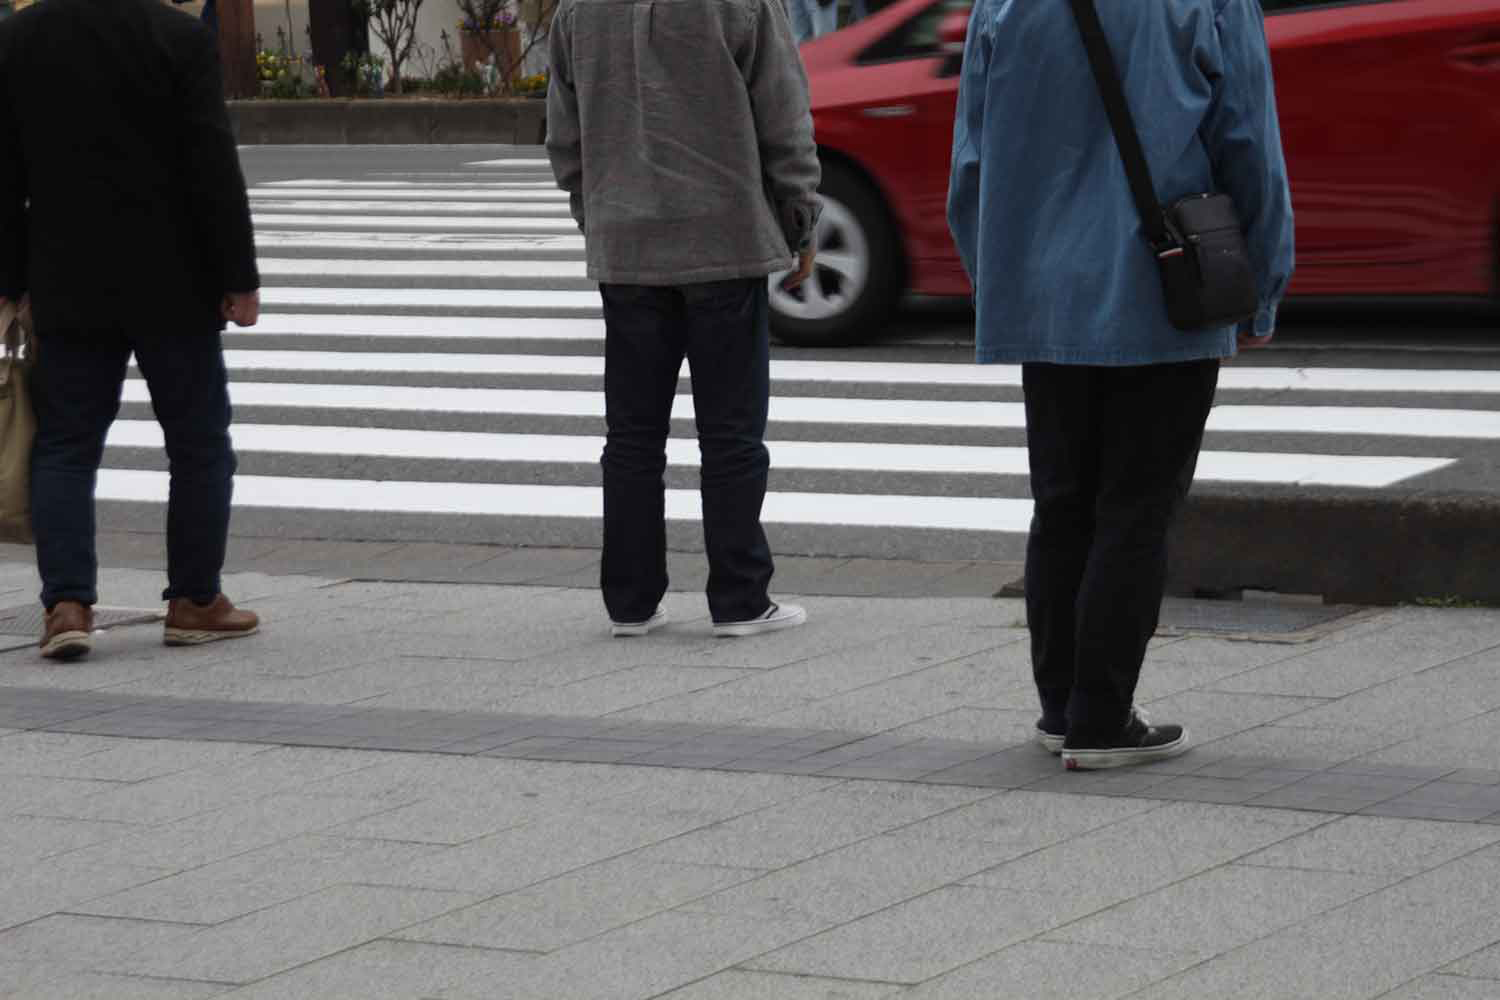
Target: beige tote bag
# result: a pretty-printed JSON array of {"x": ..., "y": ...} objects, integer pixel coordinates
[{"x": 17, "y": 427}]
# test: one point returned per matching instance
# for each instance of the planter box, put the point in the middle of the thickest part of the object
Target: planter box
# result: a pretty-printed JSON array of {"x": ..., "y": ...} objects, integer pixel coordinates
[{"x": 389, "y": 121}]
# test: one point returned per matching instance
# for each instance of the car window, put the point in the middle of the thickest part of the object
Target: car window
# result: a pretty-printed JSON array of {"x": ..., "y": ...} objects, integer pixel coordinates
[{"x": 916, "y": 38}]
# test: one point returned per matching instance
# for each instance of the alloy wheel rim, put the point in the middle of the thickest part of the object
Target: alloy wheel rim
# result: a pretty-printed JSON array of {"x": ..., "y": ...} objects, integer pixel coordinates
[{"x": 840, "y": 274}]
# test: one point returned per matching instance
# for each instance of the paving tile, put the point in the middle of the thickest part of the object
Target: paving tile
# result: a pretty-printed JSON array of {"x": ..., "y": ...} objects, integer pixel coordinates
[
  {"x": 560, "y": 842},
  {"x": 398, "y": 970},
  {"x": 1449, "y": 800},
  {"x": 1366, "y": 948},
  {"x": 78, "y": 943},
  {"x": 921, "y": 938},
  {"x": 32, "y": 838},
  {"x": 855, "y": 881},
  {"x": 1220, "y": 910},
  {"x": 1482, "y": 964},
  {"x": 813, "y": 824},
  {"x": 1009, "y": 768},
  {"x": 658, "y": 954},
  {"x": 290, "y": 934},
  {"x": 1054, "y": 970},
  {"x": 1446, "y": 987},
  {"x": 1400, "y": 645},
  {"x": 1328, "y": 792},
  {"x": 99, "y": 986},
  {"x": 1377, "y": 846},
  {"x": 1213, "y": 715},
  {"x": 39, "y": 889},
  {"x": 574, "y": 907},
  {"x": 1165, "y": 845},
  {"x": 741, "y": 985},
  {"x": 256, "y": 880},
  {"x": 1023, "y": 821}
]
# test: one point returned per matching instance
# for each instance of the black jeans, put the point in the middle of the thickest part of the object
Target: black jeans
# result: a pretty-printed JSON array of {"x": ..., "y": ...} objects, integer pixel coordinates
[
  {"x": 76, "y": 388},
  {"x": 1113, "y": 452},
  {"x": 722, "y": 329}
]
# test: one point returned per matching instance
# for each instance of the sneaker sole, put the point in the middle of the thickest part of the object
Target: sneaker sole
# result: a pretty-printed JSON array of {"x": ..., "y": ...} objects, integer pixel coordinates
[
  {"x": 739, "y": 630},
  {"x": 631, "y": 631},
  {"x": 199, "y": 637},
  {"x": 1099, "y": 760},
  {"x": 1050, "y": 743},
  {"x": 68, "y": 646}
]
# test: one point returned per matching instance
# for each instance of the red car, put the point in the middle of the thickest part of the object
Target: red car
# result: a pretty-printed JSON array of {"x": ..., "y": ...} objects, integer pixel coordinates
[{"x": 1390, "y": 114}]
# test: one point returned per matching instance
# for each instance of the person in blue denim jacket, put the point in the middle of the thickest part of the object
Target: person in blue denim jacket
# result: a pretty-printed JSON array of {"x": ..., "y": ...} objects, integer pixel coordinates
[{"x": 1066, "y": 285}]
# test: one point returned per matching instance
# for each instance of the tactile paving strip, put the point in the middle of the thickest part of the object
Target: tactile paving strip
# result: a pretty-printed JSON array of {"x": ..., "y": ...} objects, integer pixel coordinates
[{"x": 27, "y": 619}]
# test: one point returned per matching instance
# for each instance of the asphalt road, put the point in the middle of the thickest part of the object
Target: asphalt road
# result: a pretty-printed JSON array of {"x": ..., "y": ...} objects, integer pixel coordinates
[{"x": 428, "y": 370}]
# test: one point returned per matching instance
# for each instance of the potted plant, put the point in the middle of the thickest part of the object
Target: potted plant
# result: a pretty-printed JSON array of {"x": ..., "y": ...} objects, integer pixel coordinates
[{"x": 490, "y": 34}]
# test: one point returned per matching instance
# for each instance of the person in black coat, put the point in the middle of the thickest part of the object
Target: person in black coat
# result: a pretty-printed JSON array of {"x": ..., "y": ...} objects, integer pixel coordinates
[{"x": 124, "y": 219}]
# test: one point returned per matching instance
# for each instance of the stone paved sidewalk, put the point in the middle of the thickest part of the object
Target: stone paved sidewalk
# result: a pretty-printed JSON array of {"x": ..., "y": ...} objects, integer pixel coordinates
[{"x": 414, "y": 790}]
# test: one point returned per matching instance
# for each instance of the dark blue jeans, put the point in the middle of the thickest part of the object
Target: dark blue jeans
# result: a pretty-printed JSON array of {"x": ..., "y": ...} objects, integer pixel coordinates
[
  {"x": 1113, "y": 451},
  {"x": 76, "y": 389},
  {"x": 721, "y": 328}
]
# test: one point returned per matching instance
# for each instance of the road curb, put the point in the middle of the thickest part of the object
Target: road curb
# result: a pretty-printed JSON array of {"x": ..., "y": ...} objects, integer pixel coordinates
[
  {"x": 517, "y": 121},
  {"x": 1349, "y": 549}
]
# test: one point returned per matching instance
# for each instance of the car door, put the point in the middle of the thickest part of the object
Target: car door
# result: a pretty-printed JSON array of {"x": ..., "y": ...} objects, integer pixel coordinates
[
  {"x": 900, "y": 129},
  {"x": 1390, "y": 113}
]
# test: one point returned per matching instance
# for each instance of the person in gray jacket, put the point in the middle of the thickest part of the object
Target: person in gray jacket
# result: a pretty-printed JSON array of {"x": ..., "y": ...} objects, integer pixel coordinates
[{"x": 682, "y": 131}]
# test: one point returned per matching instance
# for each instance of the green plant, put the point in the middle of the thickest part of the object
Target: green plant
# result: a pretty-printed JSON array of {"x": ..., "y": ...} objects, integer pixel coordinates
[
  {"x": 1452, "y": 601},
  {"x": 367, "y": 72},
  {"x": 394, "y": 22}
]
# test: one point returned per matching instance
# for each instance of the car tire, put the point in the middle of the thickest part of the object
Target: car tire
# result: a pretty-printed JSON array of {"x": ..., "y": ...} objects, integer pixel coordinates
[{"x": 858, "y": 273}]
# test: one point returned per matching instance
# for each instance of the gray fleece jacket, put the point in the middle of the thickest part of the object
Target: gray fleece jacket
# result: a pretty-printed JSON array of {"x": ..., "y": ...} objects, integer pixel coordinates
[{"x": 681, "y": 129}]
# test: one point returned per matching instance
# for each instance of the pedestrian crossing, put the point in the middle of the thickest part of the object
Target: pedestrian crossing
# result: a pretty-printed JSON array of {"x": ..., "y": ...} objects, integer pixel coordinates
[{"x": 429, "y": 366}]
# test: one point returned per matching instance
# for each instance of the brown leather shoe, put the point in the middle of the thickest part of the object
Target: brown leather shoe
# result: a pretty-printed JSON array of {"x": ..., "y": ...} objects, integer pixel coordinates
[
  {"x": 191, "y": 625},
  {"x": 69, "y": 632}
]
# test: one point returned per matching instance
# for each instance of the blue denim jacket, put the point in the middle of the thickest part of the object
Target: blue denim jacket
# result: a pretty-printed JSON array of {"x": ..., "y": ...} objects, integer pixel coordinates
[{"x": 1039, "y": 204}]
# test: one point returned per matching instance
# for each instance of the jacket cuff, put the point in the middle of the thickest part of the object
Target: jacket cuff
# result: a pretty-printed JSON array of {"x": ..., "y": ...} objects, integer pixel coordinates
[
  {"x": 1265, "y": 320},
  {"x": 799, "y": 222}
]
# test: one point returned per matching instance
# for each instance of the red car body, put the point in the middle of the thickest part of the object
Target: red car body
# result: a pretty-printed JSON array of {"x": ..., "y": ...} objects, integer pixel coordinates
[{"x": 1390, "y": 113}]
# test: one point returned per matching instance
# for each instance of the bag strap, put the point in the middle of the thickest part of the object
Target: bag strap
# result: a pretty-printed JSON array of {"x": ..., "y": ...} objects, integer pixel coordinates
[{"x": 1127, "y": 139}]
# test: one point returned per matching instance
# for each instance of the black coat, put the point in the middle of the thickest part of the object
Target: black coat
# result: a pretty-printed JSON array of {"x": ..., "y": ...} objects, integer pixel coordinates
[{"x": 122, "y": 204}]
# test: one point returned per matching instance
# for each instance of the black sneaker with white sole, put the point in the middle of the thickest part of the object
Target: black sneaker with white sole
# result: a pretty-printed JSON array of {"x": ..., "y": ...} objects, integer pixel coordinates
[
  {"x": 622, "y": 630},
  {"x": 1139, "y": 743},
  {"x": 1051, "y": 736},
  {"x": 773, "y": 619}
]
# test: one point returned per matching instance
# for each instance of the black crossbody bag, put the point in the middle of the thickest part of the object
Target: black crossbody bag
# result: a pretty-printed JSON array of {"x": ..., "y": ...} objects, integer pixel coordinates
[{"x": 1199, "y": 246}]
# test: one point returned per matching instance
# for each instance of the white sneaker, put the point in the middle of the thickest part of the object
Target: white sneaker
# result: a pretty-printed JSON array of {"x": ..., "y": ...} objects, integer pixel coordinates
[
  {"x": 776, "y": 618},
  {"x": 623, "y": 629}
]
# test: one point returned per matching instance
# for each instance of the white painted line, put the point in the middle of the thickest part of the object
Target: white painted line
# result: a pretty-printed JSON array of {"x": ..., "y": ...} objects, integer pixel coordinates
[
  {"x": 531, "y": 163},
  {"x": 470, "y": 243},
  {"x": 431, "y": 298},
  {"x": 509, "y": 500},
  {"x": 1374, "y": 421},
  {"x": 456, "y": 327},
  {"x": 508, "y": 224},
  {"x": 1365, "y": 471},
  {"x": 516, "y": 210},
  {"x": 346, "y": 268},
  {"x": 1362, "y": 379},
  {"x": 424, "y": 194},
  {"x": 833, "y": 372},
  {"x": 458, "y": 185},
  {"x": 1381, "y": 421},
  {"x": 829, "y": 372}
]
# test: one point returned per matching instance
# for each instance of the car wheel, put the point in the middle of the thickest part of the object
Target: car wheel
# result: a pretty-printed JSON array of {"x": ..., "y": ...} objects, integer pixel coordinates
[{"x": 857, "y": 276}]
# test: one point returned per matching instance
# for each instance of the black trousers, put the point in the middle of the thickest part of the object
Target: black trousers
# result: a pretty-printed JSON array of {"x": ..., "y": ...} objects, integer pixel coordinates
[
  {"x": 722, "y": 328},
  {"x": 76, "y": 389},
  {"x": 1113, "y": 452}
]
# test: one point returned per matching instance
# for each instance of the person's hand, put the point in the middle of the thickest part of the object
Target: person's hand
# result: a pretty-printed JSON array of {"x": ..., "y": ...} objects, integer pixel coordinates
[
  {"x": 242, "y": 308},
  {"x": 1249, "y": 342},
  {"x": 804, "y": 270}
]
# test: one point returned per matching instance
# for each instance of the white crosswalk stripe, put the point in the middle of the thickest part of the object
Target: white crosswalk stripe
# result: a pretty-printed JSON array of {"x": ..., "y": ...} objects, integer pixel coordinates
[{"x": 432, "y": 348}]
